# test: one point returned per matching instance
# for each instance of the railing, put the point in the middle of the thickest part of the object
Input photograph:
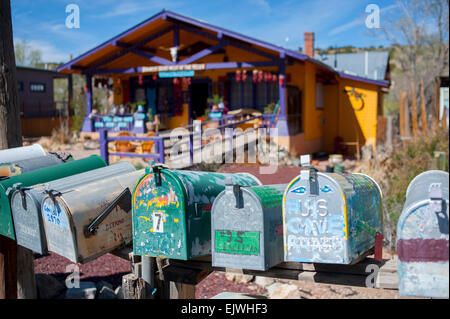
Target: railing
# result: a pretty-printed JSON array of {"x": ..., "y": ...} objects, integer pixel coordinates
[{"x": 267, "y": 121}]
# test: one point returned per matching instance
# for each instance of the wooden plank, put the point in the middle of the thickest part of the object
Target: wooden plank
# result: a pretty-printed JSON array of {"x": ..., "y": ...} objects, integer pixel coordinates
[
  {"x": 422, "y": 108},
  {"x": 387, "y": 280},
  {"x": 181, "y": 291},
  {"x": 133, "y": 287},
  {"x": 414, "y": 110}
]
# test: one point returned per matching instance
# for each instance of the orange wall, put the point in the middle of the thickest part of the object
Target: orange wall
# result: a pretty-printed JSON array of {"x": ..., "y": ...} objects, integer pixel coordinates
[{"x": 42, "y": 126}]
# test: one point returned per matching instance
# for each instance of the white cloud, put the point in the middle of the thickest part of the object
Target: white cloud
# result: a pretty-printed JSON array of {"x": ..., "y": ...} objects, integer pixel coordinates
[
  {"x": 131, "y": 7},
  {"x": 48, "y": 51},
  {"x": 261, "y": 4}
]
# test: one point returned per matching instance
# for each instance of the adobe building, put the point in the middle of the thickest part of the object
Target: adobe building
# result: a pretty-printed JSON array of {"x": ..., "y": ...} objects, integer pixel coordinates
[{"x": 171, "y": 64}]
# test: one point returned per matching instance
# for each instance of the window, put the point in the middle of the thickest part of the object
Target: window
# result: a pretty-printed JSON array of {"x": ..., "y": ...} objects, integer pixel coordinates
[
  {"x": 20, "y": 86},
  {"x": 319, "y": 95},
  {"x": 37, "y": 87}
]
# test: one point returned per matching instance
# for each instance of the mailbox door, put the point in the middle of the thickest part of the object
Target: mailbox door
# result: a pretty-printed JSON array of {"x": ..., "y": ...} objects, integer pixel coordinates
[
  {"x": 28, "y": 222},
  {"x": 159, "y": 221},
  {"x": 423, "y": 251},
  {"x": 238, "y": 233},
  {"x": 314, "y": 226},
  {"x": 28, "y": 165}
]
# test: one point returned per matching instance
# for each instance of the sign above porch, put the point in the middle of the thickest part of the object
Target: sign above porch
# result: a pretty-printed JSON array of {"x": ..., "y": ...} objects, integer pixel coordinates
[{"x": 176, "y": 67}]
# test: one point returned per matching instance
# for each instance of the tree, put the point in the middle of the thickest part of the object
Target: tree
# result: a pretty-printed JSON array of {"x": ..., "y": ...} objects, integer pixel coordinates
[
  {"x": 25, "y": 55},
  {"x": 419, "y": 33}
]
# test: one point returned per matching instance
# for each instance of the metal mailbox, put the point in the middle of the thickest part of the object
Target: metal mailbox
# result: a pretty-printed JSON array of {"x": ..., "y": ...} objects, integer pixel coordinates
[
  {"x": 86, "y": 222},
  {"x": 330, "y": 217},
  {"x": 26, "y": 204},
  {"x": 43, "y": 175},
  {"x": 21, "y": 153},
  {"x": 246, "y": 227},
  {"x": 171, "y": 211},
  {"x": 14, "y": 168},
  {"x": 423, "y": 237}
]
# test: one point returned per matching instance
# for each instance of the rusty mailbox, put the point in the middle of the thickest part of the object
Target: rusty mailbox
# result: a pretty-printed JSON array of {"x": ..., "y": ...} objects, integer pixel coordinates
[
  {"x": 14, "y": 168},
  {"x": 330, "y": 217},
  {"x": 21, "y": 153},
  {"x": 43, "y": 175},
  {"x": 26, "y": 203},
  {"x": 171, "y": 211},
  {"x": 85, "y": 222},
  {"x": 423, "y": 237},
  {"x": 246, "y": 227}
]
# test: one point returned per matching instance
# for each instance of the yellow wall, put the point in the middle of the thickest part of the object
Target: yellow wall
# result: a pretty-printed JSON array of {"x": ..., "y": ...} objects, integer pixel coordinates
[{"x": 331, "y": 115}]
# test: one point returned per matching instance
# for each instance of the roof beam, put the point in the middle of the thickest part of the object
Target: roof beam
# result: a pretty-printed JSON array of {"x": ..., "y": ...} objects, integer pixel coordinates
[
  {"x": 152, "y": 58},
  {"x": 236, "y": 65},
  {"x": 202, "y": 53}
]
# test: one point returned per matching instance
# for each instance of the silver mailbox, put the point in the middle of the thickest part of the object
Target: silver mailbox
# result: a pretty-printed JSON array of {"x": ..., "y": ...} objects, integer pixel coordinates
[
  {"x": 86, "y": 222},
  {"x": 423, "y": 237},
  {"x": 246, "y": 227},
  {"x": 26, "y": 203},
  {"x": 21, "y": 153},
  {"x": 13, "y": 168}
]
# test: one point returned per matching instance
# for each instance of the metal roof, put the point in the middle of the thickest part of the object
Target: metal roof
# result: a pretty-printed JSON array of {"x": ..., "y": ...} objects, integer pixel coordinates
[{"x": 371, "y": 65}]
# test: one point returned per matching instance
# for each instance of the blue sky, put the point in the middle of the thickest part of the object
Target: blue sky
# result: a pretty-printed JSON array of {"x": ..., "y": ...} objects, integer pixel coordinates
[{"x": 282, "y": 22}]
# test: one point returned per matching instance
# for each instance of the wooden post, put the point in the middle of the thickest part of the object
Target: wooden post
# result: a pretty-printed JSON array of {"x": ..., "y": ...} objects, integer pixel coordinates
[
  {"x": 414, "y": 110},
  {"x": 401, "y": 112},
  {"x": 423, "y": 109},
  {"x": 133, "y": 287},
  {"x": 13, "y": 284},
  {"x": 444, "y": 119},
  {"x": 437, "y": 101}
]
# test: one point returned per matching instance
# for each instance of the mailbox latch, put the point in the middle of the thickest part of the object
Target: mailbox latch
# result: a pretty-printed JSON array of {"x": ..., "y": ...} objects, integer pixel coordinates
[
  {"x": 309, "y": 173},
  {"x": 157, "y": 173},
  {"x": 123, "y": 200}
]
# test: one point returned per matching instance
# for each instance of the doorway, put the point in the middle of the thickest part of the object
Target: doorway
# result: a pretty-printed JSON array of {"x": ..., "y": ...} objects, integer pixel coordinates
[{"x": 199, "y": 98}]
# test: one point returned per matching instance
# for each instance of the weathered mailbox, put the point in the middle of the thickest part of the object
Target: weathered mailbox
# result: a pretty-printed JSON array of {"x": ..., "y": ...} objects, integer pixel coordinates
[
  {"x": 330, "y": 217},
  {"x": 423, "y": 237},
  {"x": 43, "y": 175},
  {"x": 86, "y": 222},
  {"x": 246, "y": 227},
  {"x": 21, "y": 153},
  {"x": 14, "y": 168},
  {"x": 26, "y": 204},
  {"x": 171, "y": 211}
]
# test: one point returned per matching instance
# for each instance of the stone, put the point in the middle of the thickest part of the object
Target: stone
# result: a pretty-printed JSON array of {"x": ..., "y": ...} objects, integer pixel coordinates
[
  {"x": 285, "y": 291},
  {"x": 87, "y": 290},
  {"x": 106, "y": 293},
  {"x": 239, "y": 278},
  {"x": 264, "y": 281},
  {"x": 48, "y": 286}
]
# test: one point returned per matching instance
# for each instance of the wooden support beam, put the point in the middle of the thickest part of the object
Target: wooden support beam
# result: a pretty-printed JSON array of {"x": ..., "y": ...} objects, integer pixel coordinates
[
  {"x": 423, "y": 108},
  {"x": 414, "y": 110},
  {"x": 402, "y": 110}
]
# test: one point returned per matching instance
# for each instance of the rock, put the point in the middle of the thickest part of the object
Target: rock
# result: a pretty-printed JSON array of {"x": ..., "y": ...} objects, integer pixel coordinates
[
  {"x": 285, "y": 292},
  {"x": 91, "y": 145},
  {"x": 48, "y": 286},
  {"x": 87, "y": 290},
  {"x": 239, "y": 278},
  {"x": 264, "y": 281},
  {"x": 106, "y": 293}
]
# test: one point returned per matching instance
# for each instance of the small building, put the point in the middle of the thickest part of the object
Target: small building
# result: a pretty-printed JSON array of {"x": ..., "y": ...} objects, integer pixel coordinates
[
  {"x": 172, "y": 64},
  {"x": 39, "y": 112}
]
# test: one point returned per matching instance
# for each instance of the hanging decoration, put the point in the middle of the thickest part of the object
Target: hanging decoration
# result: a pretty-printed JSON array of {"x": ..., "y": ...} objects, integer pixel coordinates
[
  {"x": 281, "y": 80},
  {"x": 140, "y": 81},
  {"x": 118, "y": 81},
  {"x": 155, "y": 77},
  {"x": 244, "y": 76},
  {"x": 274, "y": 78},
  {"x": 238, "y": 76},
  {"x": 255, "y": 75},
  {"x": 260, "y": 76}
]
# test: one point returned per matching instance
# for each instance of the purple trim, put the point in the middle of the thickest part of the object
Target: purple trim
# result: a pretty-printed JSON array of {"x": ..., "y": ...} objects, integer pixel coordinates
[
  {"x": 202, "y": 53},
  {"x": 89, "y": 95},
  {"x": 361, "y": 79},
  {"x": 282, "y": 126},
  {"x": 234, "y": 65},
  {"x": 176, "y": 37},
  {"x": 153, "y": 58}
]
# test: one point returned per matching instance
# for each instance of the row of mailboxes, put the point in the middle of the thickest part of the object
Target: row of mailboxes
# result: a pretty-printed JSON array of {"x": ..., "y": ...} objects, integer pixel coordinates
[
  {"x": 26, "y": 204},
  {"x": 423, "y": 237},
  {"x": 171, "y": 211},
  {"x": 326, "y": 218},
  {"x": 43, "y": 175}
]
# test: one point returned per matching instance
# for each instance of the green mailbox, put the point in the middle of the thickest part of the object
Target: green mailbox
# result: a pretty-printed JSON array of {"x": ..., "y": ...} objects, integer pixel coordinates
[
  {"x": 39, "y": 176},
  {"x": 172, "y": 211}
]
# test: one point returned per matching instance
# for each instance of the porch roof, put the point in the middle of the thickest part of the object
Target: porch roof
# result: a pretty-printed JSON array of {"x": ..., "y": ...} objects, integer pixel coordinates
[{"x": 126, "y": 52}]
